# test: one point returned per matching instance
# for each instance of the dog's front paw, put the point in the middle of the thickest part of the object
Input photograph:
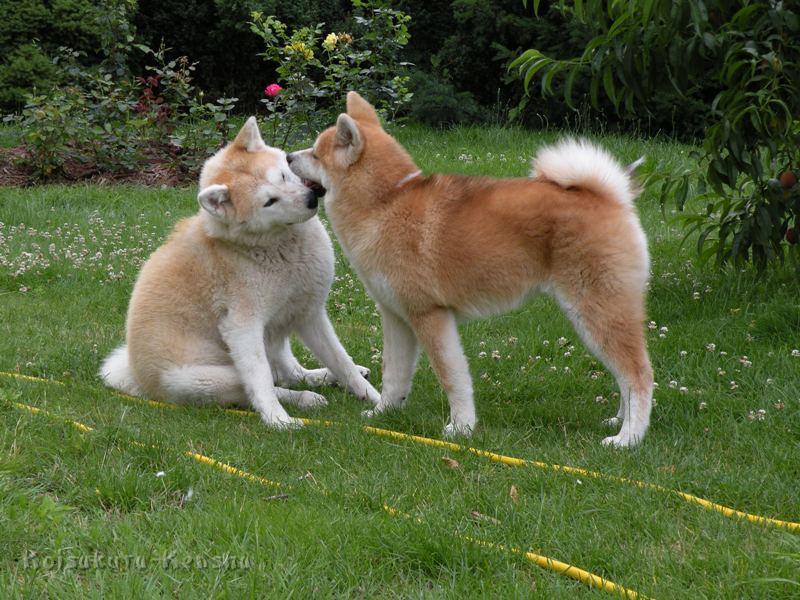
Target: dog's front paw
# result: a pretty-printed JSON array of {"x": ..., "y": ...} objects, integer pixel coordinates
[
  {"x": 379, "y": 408},
  {"x": 371, "y": 395},
  {"x": 621, "y": 440},
  {"x": 318, "y": 377},
  {"x": 364, "y": 371},
  {"x": 309, "y": 399},
  {"x": 283, "y": 421},
  {"x": 452, "y": 430}
]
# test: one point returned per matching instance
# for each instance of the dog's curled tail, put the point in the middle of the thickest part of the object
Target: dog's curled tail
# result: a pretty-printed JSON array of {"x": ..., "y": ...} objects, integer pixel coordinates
[
  {"x": 582, "y": 164},
  {"x": 116, "y": 372}
]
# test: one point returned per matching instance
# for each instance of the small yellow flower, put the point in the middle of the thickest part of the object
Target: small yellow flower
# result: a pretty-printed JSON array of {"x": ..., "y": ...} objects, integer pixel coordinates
[
  {"x": 330, "y": 42},
  {"x": 300, "y": 48}
]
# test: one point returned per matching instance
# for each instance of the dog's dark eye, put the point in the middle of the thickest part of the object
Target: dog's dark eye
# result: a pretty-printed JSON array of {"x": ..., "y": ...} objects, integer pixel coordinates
[{"x": 270, "y": 202}]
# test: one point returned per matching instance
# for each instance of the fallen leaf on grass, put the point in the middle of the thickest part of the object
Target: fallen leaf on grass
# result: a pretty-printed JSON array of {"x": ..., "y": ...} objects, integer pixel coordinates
[
  {"x": 309, "y": 476},
  {"x": 276, "y": 497},
  {"x": 513, "y": 494},
  {"x": 482, "y": 518},
  {"x": 450, "y": 462}
]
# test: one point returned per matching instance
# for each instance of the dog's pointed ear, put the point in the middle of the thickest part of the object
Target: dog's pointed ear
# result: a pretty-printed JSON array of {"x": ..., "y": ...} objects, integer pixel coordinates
[
  {"x": 249, "y": 137},
  {"x": 348, "y": 136},
  {"x": 361, "y": 110},
  {"x": 215, "y": 199}
]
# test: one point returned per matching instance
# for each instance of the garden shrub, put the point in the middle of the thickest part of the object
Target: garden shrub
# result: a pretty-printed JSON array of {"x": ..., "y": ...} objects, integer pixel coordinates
[
  {"x": 104, "y": 124},
  {"x": 742, "y": 58},
  {"x": 314, "y": 68},
  {"x": 31, "y": 32},
  {"x": 219, "y": 39},
  {"x": 25, "y": 68},
  {"x": 438, "y": 102}
]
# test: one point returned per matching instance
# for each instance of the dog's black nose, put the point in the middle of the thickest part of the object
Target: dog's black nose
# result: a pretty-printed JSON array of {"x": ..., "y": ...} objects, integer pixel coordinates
[
  {"x": 290, "y": 157},
  {"x": 312, "y": 200}
]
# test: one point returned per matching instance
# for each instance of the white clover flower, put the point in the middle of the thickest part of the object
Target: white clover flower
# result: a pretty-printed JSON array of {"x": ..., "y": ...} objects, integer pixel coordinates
[
  {"x": 711, "y": 347},
  {"x": 703, "y": 406},
  {"x": 683, "y": 390},
  {"x": 683, "y": 353},
  {"x": 795, "y": 352}
]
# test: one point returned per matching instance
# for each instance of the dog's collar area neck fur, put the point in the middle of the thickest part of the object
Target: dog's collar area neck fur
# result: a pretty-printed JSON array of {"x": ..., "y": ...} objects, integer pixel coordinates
[{"x": 408, "y": 178}]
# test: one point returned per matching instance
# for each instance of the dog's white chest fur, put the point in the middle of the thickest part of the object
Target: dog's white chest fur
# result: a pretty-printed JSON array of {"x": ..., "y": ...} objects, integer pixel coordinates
[{"x": 290, "y": 274}]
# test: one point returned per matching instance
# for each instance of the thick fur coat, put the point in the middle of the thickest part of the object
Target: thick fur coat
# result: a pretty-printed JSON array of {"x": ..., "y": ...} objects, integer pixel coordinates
[
  {"x": 434, "y": 251},
  {"x": 213, "y": 308}
]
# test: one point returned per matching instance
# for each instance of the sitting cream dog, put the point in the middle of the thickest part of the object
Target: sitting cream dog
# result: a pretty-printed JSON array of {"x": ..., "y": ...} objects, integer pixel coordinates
[{"x": 212, "y": 310}]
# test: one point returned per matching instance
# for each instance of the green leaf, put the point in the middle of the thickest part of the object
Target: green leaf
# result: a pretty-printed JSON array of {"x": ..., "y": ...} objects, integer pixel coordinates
[
  {"x": 594, "y": 87},
  {"x": 608, "y": 85},
  {"x": 573, "y": 73},
  {"x": 547, "y": 80},
  {"x": 535, "y": 68},
  {"x": 523, "y": 58}
]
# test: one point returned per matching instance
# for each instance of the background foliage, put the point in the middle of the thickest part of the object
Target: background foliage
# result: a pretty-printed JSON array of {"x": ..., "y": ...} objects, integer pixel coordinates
[
  {"x": 315, "y": 66},
  {"x": 738, "y": 58},
  {"x": 460, "y": 50}
]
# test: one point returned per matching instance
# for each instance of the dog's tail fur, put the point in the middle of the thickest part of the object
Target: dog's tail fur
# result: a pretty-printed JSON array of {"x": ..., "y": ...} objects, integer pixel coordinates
[
  {"x": 581, "y": 164},
  {"x": 116, "y": 372}
]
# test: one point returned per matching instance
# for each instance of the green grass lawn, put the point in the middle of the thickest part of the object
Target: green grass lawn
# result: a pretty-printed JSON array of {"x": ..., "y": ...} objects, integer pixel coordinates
[{"x": 726, "y": 427}]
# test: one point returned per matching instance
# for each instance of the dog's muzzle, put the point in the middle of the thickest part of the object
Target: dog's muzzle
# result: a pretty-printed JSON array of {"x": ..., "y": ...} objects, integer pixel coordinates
[
  {"x": 314, "y": 188},
  {"x": 311, "y": 199}
]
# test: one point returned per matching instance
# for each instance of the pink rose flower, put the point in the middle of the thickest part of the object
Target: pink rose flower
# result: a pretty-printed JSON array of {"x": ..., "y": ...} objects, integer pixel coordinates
[{"x": 272, "y": 90}]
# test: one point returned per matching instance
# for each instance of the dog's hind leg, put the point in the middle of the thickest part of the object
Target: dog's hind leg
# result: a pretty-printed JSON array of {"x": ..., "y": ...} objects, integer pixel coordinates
[
  {"x": 204, "y": 385},
  {"x": 221, "y": 386},
  {"x": 438, "y": 334},
  {"x": 400, "y": 354},
  {"x": 610, "y": 323},
  {"x": 287, "y": 370},
  {"x": 301, "y": 399}
]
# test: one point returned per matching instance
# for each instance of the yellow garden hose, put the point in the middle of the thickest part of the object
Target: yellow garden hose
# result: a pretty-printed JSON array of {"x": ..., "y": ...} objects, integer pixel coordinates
[
  {"x": 550, "y": 564},
  {"x": 500, "y": 458}
]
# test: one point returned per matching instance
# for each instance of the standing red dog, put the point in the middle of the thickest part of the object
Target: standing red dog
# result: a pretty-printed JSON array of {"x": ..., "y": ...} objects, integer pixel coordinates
[{"x": 433, "y": 251}]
